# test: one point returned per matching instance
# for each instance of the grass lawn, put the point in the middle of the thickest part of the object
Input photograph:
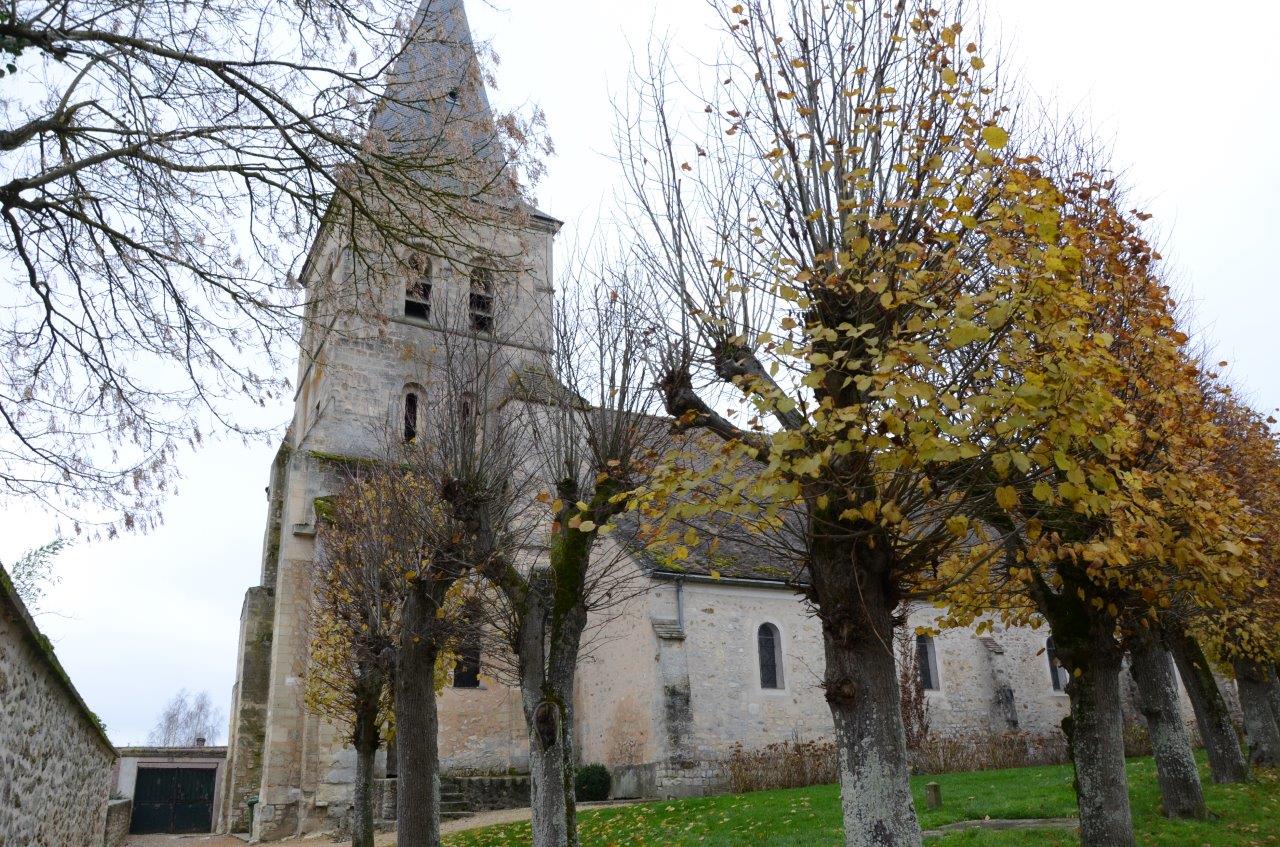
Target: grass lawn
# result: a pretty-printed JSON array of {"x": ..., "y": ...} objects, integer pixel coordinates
[{"x": 1245, "y": 815}]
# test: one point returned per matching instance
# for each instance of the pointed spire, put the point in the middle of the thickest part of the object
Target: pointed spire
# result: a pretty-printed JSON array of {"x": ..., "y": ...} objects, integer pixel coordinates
[{"x": 435, "y": 97}]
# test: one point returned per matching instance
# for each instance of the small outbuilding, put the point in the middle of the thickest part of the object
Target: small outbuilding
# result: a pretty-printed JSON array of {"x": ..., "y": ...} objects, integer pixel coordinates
[{"x": 173, "y": 789}]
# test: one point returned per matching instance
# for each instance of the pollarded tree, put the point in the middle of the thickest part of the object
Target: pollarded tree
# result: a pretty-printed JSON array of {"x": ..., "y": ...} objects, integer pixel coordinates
[
  {"x": 167, "y": 165},
  {"x": 1245, "y": 637},
  {"x": 368, "y": 545},
  {"x": 1117, "y": 527},
  {"x": 854, "y": 253},
  {"x": 470, "y": 449},
  {"x": 587, "y": 415}
]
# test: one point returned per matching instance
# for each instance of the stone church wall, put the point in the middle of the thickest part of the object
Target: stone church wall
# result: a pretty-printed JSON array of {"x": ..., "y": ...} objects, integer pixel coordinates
[
  {"x": 55, "y": 759},
  {"x": 482, "y": 729},
  {"x": 728, "y": 705},
  {"x": 716, "y": 652},
  {"x": 617, "y": 680}
]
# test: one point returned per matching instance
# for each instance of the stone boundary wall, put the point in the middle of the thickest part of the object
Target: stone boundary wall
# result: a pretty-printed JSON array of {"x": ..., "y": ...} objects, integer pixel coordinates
[
  {"x": 119, "y": 815},
  {"x": 491, "y": 793},
  {"x": 691, "y": 779},
  {"x": 55, "y": 757}
]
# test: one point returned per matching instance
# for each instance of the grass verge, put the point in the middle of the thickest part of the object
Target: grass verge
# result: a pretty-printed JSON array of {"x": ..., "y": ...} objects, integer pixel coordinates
[{"x": 1244, "y": 815}]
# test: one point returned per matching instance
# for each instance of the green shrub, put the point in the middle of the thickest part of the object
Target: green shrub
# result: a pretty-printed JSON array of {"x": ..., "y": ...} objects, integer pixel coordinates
[{"x": 592, "y": 782}]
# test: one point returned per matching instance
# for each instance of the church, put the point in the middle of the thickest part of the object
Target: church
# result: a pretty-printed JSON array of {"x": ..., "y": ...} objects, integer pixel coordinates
[{"x": 692, "y": 665}]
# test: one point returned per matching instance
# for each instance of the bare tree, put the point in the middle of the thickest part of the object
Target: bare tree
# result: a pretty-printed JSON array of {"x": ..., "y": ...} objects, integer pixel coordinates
[
  {"x": 167, "y": 163},
  {"x": 588, "y": 417},
  {"x": 187, "y": 720},
  {"x": 472, "y": 451}
]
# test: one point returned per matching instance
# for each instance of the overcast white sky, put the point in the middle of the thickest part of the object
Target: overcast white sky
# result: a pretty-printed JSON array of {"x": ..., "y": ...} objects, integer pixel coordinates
[{"x": 1186, "y": 93}]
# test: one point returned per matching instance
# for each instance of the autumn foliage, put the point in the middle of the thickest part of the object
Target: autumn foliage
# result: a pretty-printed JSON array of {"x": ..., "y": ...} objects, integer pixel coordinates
[{"x": 943, "y": 365}]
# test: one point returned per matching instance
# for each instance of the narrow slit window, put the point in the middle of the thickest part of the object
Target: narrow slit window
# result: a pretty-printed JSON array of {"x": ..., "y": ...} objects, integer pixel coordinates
[
  {"x": 411, "y": 416},
  {"x": 927, "y": 663},
  {"x": 466, "y": 673},
  {"x": 417, "y": 291},
  {"x": 769, "y": 645},
  {"x": 480, "y": 304}
]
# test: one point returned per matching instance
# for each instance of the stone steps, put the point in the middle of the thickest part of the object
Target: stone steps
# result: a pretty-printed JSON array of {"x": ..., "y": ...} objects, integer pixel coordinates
[{"x": 453, "y": 802}]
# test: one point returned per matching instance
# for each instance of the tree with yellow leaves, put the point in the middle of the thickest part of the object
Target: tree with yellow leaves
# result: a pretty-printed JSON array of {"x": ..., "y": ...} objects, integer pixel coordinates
[
  {"x": 857, "y": 259},
  {"x": 1126, "y": 520},
  {"x": 1245, "y": 636},
  {"x": 367, "y": 547}
]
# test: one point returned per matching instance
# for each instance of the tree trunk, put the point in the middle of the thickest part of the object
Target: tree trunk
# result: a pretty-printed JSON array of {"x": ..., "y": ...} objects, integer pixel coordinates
[
  {"x": 547, "y": 648},
  {"x": 1226, "y": 761},
  {"x": 362, "y": 801},
  {"x": 1179, "y": 778},
  {"x": 1273, "y": 691},
  {"x": 1260, "y": 726},
  {"x": 551, "y": 771},
  {"x": 417, "y": 754},
  {"x": 854, "y": 602},
  {"x": 1095, "y": 730}
]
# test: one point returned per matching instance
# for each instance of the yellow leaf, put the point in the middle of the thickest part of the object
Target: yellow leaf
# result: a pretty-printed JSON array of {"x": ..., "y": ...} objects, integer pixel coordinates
[
  {"x": 949, "y": 76},
  {"x": 995, "y": 137},
  {"x": 1006, "y": 496},
  {"x": 958, "y": 525}
]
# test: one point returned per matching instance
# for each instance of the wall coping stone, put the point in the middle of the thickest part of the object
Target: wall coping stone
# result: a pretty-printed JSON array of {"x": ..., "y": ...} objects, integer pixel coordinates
[
  {"x": 153, "y": 752},
  {"x": 12, "y": 607}
]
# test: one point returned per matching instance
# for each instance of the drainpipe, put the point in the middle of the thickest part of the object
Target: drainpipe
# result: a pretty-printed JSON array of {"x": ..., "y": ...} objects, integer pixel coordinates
[{"x": 680, "y": 602}]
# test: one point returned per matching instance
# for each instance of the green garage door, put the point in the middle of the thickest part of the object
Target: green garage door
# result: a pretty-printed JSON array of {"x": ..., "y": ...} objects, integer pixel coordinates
[{"x": 173, "y": 800}]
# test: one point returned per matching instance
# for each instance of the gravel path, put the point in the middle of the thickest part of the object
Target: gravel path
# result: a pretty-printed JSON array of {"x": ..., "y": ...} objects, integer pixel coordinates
[
  {"x": 385, "y": 839},
  {"x": 182, "y": 841}
]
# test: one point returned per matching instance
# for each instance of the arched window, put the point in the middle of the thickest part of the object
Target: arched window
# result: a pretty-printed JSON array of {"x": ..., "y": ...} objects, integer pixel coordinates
[
  {"x": 410, "y": 415},
  {"x": 769, "y": 644},
  {"x": 417, "y": 290},
  {"x": 466, "y": 673},
  {"x": 927, "y": 663},
  {"x": 481, "y": 301},
  {"x": 1058, "y": 675}
]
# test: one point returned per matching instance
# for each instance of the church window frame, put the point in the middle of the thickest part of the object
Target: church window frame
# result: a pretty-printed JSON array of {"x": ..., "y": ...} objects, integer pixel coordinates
[
  {"x": 466, "y": 670},
  {"x": 418, "y": 287},
  {"x": 927, "y": 663},
  {"x": 1059, "y": 676},
  {"x": 769, "y": 657},
  {"x": 481, "y": 311},
  {"x": 411, "y": 408}
]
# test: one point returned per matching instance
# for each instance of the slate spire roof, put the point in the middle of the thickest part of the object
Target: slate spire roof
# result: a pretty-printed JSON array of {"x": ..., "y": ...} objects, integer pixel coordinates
[
  {"x": 435, "y": 97},
  {"x": 436, "y": 105}
]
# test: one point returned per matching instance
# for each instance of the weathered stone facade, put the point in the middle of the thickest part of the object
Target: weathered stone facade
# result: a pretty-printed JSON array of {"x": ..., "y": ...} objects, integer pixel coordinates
[
  {"x": 119, "y": 815},
  {"x": 675, "y": 683},
  {"x": 55, "y": 759},
  {"x": 354, "y": 373}
]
